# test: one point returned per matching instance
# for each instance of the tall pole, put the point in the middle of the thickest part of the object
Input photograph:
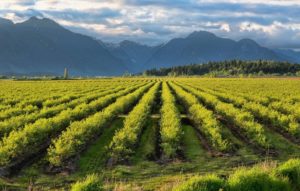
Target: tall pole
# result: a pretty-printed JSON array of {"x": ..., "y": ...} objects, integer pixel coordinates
[{"x": 66, "y": 74}]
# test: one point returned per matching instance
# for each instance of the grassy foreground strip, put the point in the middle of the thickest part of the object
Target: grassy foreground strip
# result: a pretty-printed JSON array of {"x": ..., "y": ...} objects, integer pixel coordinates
[
  {"x": 22, "y": 143},
  {"x": 79, "y": 133},
  {"x": 203, "y": 118},
  {"x": 124, "y": 140},
  {"x": 170, "y": 126},
  {"x": 262, "y": 177},
  {"x": 241, "y": 118}
]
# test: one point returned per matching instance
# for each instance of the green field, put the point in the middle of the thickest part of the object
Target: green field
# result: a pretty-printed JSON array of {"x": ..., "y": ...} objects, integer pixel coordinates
[{"x": 148, "y": 133}]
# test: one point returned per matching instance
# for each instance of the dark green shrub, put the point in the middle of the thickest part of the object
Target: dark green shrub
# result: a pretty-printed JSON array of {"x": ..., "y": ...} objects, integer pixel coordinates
[
  {"x": 256, "y": 179},
  {"x": 202, "y": 183},
  {"x": 291, "y": 170}
]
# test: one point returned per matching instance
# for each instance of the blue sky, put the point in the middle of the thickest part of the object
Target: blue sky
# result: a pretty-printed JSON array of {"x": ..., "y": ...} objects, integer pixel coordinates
[{"x": 272, "y": 23}]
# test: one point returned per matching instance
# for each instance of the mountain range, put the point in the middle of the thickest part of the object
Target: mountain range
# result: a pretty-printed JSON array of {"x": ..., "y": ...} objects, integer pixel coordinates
[{"x": 42, "y": 46}]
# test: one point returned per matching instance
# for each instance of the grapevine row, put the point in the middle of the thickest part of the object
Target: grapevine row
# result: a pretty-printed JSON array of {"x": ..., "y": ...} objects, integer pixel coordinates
[
  {"x": 30, "y": 106},
  {"x": 18, "y": 122},
  {"x": 286, "y": 122},
  {"x": 27, "y": 94},
  {"x": 203, "y": 118},
  {"x": 24, "y": 142},
  {"x": 79, "y": 133},
  {"x": 124, "y": 140},
  {"x": 286, "y": 106},
  {"x": 241, "y": 118},
  {"x": 170, "y": 126}
]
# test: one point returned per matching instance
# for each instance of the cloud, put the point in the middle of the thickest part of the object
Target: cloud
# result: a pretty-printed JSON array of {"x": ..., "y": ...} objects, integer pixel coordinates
[
  {"x": 225, "y": 27},
  {"x": 273, "y": 23}
]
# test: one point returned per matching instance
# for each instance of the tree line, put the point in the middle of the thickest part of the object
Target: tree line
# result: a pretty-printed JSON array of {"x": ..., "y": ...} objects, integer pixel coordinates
[{"x": 230, "y": 68}]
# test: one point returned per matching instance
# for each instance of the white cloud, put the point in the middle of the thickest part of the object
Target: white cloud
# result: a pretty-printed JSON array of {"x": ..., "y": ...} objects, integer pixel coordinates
[
  {"x": 162, "y": 20},
  {"x": 271, "y": 29},
  {"x": 269, "y": 2},
  {"x": 249, "y": 26},
  {"x": 225, "y": 27},
  {"x": 87, "y": 5}
]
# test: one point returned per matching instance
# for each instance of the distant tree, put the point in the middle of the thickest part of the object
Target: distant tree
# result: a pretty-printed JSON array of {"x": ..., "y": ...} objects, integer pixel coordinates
[
  {"x": 260, "y": 73},
  {"x": 229, "y": 68},
  {"x": 127, "y": 74},
  {"x": 173, "y": 74},
  {"x": 145, "y": 73},
  {"x": 212, "y": 75}
]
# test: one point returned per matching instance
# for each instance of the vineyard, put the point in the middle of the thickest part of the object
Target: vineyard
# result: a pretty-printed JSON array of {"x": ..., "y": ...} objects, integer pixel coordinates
[{"x": 150, "y": 134}]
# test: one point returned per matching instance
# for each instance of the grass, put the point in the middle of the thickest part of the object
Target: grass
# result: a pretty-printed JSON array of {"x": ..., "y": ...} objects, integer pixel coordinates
[
  {"x": 90, "y": 183},
  {"x": 95, "y": 157},
  {"x": 267, "y": 176},
  {"x": 146, "y": 149},
  {"x": 285, "y": 148},
  {"x": 192, "y": 147},
  {"x": 291, "y": 170},
  {"x": 259, "y": 178}
]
